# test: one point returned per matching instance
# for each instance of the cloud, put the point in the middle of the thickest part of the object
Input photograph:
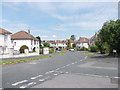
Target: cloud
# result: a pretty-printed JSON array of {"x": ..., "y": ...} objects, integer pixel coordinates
[
  {"x": 4, "y": 21},
  {"x": 54, "y": 36}
]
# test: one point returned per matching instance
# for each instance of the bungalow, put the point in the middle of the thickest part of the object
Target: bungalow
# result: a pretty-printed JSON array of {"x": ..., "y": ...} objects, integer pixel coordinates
[
  {"x": 5, "y": 41},
  {"x": 82, "y": 42},
  {"x": 23, "y": 42}
]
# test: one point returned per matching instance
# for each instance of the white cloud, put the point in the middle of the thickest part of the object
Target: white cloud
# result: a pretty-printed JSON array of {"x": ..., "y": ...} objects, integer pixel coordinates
[
  {"x": 54, "y": 36},
  {"x": 4, "y": 21}
]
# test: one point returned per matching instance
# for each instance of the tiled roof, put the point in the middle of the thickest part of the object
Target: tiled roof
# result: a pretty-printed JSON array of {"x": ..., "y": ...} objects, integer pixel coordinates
[
  {"x": 82, "y": 40},
  {"x": 94, "y": 37},
  {"x": 3, "y": 31},
  {"x": 23, "y": 35}
]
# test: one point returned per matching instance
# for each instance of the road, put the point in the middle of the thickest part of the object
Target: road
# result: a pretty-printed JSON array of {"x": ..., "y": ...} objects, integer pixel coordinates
[{"x": 29, "y": 74}]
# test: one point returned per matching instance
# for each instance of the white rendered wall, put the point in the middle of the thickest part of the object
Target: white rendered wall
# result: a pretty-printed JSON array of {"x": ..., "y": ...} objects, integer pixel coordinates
[{"x": 20, "y": 43}]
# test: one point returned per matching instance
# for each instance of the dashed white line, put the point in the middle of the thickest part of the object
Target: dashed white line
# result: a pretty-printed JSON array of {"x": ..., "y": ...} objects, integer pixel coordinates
[
  {"x": 50, "y": 72},
  {"x": 29, "y": 84},
  {"x": 41, "y": 80},
  {"x": 57, "y": 69},
  {"x": 36, "y": 77},
  {"x": 55, "y": 74},
  {"x": 68, "y": 65},
  {"x": 19, "y": 82},
  {"x": 72, "y": 63}
]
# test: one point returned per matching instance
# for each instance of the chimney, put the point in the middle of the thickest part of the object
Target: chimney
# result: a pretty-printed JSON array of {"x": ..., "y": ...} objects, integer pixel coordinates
[{"x": 29, "y": 31}]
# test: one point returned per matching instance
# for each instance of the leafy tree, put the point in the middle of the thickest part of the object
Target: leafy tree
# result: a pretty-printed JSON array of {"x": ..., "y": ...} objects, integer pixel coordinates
[
  {"x": 110, "y": 34},
  {"x": 68, "y": 44},
  {"x": 46, "y": 44},
  {"x": 38, "y": 37},
  {"x": 73, "y": 37},
  {"x": 74, "y": 45}
]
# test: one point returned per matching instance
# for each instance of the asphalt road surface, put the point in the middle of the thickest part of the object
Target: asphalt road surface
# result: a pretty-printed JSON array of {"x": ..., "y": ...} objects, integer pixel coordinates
[{"x": 29, "y": 74}]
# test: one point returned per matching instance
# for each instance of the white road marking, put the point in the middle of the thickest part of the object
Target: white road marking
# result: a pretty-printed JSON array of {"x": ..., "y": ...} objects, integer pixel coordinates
[
  {"x": 36, "y": 77},
  {"x": 57, "y": 69},
  {"x": 85, "y": 57},
  {"x": 72, "y": 63},
  {"x": 55, "y": 74},
  {"x": 50, "y": 72},
  {"x": 81, "y": 60},
  {"x": 66, "y": 72},
  {"x": 68, "y": 65},
  {"x": 19, "y": 82},
  {"x": 41, "y": 80},
  {"x": 25, "y": 86}
]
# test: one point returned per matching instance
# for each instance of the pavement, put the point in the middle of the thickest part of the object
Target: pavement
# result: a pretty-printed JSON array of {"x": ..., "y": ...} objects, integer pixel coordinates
[
  {"x": 84, "y": 71},
  {"x": 78, "y": 81}
]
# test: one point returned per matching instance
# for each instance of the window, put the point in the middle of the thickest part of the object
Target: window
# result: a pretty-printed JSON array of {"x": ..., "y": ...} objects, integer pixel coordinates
[
  {"x": 5, "y": 37},
  {"x": 31, "y": 42},
  {"x": 35, "y": 42},
  {"x": 14, "y": 43}
]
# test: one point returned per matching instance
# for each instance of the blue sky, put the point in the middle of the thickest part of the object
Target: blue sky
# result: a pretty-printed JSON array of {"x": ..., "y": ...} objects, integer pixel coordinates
[{"x": 57, "y": 20}]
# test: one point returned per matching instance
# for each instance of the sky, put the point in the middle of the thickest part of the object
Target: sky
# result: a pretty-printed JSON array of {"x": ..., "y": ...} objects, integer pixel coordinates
[{"x": 57, "y": 20}]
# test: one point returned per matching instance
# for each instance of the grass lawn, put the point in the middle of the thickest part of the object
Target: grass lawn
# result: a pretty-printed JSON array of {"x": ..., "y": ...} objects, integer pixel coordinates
[
  {"x": 22, "y": 60},
  {"x": 88, "y": 53}
]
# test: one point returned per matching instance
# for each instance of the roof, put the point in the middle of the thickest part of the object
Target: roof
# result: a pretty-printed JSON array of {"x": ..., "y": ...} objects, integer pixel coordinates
[
  {"x": 82, "y": 40},
  {"x": 23, "y": 35},
  {"x": 3, "y": 31},
  {"x": 94, "y": 37}
]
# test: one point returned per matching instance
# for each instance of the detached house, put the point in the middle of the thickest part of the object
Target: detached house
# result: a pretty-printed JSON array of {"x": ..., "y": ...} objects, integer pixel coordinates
[
  {"x": 93, "y": 39},
  {"x": 23, "y": 40},
  {"x": 82, "y": 42},
  {"x": 5, "y": 41}
]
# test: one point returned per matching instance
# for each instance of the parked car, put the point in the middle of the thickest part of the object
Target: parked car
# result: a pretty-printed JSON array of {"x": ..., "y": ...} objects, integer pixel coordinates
[{"x": 72, "y": 50}]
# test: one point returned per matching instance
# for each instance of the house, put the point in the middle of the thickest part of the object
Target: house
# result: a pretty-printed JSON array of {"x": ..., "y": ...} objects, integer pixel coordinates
[
  {"x": 5, "y": 41},
  {"x": 93, "y": 39},
  {"x": 23, "y": 41},
  {"x": 82, "y": 42},
  {"x": 57, "y": 44}
]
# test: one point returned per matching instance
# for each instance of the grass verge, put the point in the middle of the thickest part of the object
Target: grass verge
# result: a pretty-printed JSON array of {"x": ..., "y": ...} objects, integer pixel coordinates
[{"x": 22, "y": 60}]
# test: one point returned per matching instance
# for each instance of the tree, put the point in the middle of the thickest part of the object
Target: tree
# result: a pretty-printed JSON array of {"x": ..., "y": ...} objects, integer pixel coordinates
[
  {"x": 74, "y": 45},
  {"x": 38, "y": 37},
  {"x": 73, "y": 37},
  {"x": 110, "y": 34},
  {"x": 46, "y": 44},
  {"x": 68, "y": 44}
]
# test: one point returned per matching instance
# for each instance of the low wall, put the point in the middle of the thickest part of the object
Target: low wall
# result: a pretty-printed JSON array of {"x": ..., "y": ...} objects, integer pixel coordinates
[{"x": 20, "y": 55}]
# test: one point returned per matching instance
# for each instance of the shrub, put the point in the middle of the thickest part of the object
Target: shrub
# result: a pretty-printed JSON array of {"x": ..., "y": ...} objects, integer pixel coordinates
[
  {"x": 94, "y": 48},
  {"x": 84, "y": 49},
  {"x": 52, "y": 50}
]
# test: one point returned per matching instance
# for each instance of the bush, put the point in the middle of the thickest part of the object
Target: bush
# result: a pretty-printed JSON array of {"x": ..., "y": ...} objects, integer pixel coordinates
[
  {"x": 41, "y": 51},
  {"x": 84, "y": 49},
  {"x": 94, "y": 48},
  {"x": 51, "y": 50}
]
